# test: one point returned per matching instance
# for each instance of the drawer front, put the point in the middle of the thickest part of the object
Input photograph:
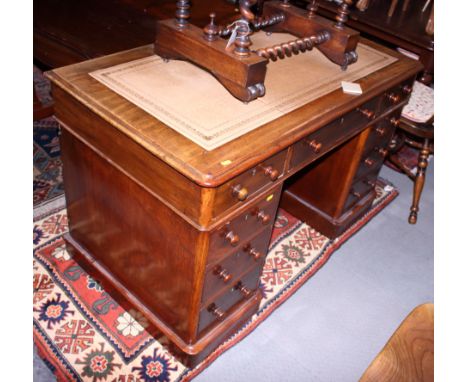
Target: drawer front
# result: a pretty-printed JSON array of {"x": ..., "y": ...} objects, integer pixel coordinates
[
  {"x": 370, "y": 164},
  {"x": 382, "y": 132},
  {"x": 360, "y": 189},
  {"x": 259, "y": 215},
  {"x": 222, "y": 273},
  {"x": 321, "y": 141},
  {"x": 247, "y": 185},
  {"x": 397, "y": 94},
  {"x": 224, "y": 305}
]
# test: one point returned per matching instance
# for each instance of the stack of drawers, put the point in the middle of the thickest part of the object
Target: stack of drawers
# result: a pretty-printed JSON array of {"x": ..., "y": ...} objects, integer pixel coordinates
[{"x": 344, "y": 177}]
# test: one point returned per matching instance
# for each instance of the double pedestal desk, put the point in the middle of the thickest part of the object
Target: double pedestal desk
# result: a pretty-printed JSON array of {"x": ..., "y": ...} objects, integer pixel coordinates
[{"x": 181, "y": 233}]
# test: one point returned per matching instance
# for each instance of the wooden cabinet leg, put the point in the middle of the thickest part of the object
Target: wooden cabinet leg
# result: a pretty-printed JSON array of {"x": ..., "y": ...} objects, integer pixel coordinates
[{"x": 419, "y": 182}]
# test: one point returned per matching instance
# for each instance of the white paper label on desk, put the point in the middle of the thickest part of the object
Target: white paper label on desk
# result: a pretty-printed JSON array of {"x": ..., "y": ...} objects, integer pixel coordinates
[{"x": 351, "y": 88}]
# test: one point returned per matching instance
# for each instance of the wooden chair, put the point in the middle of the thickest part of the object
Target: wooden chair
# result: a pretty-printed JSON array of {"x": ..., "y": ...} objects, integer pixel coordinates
[
  {"x": 409, "y": 354},
  {"x": 416, "y": 129}
]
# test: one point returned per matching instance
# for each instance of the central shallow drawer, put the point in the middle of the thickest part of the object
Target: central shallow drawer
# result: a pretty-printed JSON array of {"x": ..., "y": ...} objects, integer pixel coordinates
[{"x": 319, "y": 142}]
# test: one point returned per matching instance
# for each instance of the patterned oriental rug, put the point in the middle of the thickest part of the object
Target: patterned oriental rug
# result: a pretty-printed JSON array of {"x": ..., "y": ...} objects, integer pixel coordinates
[
  {"x": 47, "y": 166},
  {"x": 84, "y": 335}
]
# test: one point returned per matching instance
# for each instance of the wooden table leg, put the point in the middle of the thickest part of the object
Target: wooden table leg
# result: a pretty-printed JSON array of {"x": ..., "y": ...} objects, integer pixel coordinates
[{"x": 419, "y": 181}]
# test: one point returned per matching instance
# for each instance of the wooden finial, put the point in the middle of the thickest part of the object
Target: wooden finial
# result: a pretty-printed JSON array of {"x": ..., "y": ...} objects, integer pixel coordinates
[
  {"x": 342, "y": 14},
  {"x": 182, "y": 13},
  {"x": 312, "y": 8},
  {"x": 211, "y": 30}
]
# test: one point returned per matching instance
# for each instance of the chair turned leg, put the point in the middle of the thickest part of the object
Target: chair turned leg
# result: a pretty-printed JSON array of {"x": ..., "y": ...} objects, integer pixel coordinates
[{"x": 419, "y": 182}]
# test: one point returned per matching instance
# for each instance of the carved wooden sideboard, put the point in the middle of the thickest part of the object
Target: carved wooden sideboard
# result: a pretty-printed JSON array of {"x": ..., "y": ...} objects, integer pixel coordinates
[{"x": 176, "y": 232}]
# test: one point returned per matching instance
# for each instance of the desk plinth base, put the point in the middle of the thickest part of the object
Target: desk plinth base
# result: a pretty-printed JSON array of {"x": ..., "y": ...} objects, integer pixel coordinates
[
  {"x": 320, "y": 221},
  {"x": 190, "y": 354}
]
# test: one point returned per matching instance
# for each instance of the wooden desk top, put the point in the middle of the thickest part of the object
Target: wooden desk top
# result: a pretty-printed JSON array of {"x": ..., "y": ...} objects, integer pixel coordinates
[{"x": 205, "y": 167}]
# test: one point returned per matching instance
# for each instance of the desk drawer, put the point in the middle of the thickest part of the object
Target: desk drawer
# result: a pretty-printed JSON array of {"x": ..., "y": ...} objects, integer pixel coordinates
[
  {"x": 233, "y": 233},
  {"x": 224, "y": 305},
  {"x": 246, "y": 185},
  {"x": 221, "y": 273},
  {"x": 397, "y": 94},
  {"x": 321, "y": 141},
  {"x": 382, "y": 132},
  {"x": 360, "y": 189}
]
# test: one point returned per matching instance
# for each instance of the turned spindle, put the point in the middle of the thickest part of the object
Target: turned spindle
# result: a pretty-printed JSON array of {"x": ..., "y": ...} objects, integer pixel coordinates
[
  {"x": 312, "y": 8},
  {"x": 342, "y": 14},
  {"x": 242, "y": 42},
  {"x": 182, "y": 13},
  {"x": 211, "y": 30}
]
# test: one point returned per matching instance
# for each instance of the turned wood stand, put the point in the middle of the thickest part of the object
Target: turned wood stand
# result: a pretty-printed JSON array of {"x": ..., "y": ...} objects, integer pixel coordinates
[{"x": 181, "y": 233}]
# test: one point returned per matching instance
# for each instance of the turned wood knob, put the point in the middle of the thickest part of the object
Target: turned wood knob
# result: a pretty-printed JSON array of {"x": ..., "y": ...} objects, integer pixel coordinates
[
  {"x": 380, "y": 130},
  {"x": 240, "y": 192},
  {"x": 246, "y": 292},
  {"x": 253, "y": 252},
  {"x": 271, "y": 172},
  {"x": 395, "y": 121},
  {"x": 222, "y": 273},
  {"x": 371, "y": 183},
  {"x": 369, "y": 114},
  {"x": 407, "y": 89},
  {"x": 232, "y": 238},
  {"x": 314, "y": 145},
  {"x": 383, "y": 152},
  {"x": 356, "y": 194},
  {"x": 215, "y": 311},
  {"x": 369, "y": 162},
  {"x": 263, "y": 217},
  {"x": 395, "y": 98}
]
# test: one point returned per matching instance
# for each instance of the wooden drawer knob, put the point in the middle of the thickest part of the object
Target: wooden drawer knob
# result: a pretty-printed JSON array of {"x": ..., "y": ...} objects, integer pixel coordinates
[
  {"x": 394, "y": 98},
  {"x": 369, "y": 162},
  {"x": 369, "y": 114},
  {"x": 407, "y": 89},
  {"x": 215, "y": 311},
  {"x": 240, "y": 192},
  {"x": 371, "y": 183},
  {"x": 222, "y": 273},
  {"x": 263, "y": 217},
  {"x": 246, "y": 292},
  {"x": 271, "y": 172},
  {"x": 253, "y": 252},
  {"x": 395, "y": 121},
  {"x": 383, "y": 152},
  {"x": 314, "y": 145},
  {"x": 380, "y": 130},
  {"x": 232, "y": 238}
]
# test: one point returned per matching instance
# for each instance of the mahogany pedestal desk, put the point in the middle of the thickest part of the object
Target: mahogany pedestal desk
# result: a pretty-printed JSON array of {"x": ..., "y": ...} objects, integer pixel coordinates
[{"x": 171, "y": 229}]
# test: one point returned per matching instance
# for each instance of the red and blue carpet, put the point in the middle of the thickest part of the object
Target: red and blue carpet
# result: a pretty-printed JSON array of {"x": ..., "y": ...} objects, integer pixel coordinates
[{"x": 84, "y": 335}]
